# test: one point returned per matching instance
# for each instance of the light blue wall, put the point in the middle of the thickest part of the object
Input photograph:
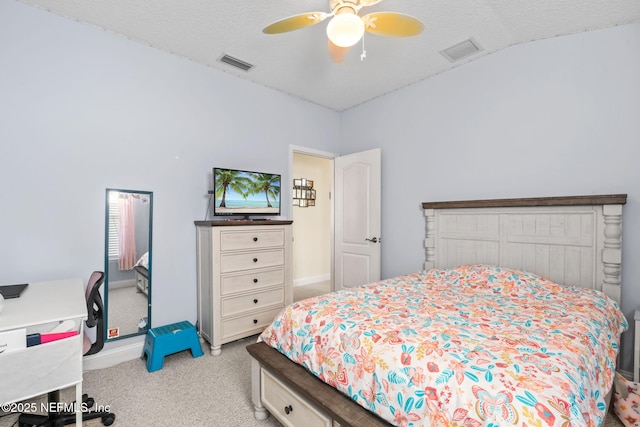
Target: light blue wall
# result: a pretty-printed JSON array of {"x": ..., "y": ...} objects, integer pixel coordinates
[
  {"x": 82, "y": 110},
  {"x": 552, "y": 118}
]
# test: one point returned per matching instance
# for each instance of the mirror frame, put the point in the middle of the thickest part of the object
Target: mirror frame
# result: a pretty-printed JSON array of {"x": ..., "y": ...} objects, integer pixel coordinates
[{"x": 106, "y": 264}]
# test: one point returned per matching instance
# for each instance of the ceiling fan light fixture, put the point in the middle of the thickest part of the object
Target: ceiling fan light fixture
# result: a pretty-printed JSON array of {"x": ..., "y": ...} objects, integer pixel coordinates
[{"x": 345, "y": 29}]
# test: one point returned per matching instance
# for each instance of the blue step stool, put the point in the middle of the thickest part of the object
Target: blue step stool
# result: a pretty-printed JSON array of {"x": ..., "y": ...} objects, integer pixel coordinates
[{"x": 169, "y": 339}]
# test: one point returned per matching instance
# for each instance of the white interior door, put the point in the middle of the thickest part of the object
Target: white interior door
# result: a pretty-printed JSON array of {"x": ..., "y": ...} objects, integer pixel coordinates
[{"x": 357, "y": 219}]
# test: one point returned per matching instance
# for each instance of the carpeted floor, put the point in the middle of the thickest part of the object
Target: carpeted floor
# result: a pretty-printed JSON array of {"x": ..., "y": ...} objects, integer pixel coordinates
[
  {"x": 126, "y": 307},
  {"x": 308, "y": 291},
  {"x": 612, "y": 421},
  {"x": 207, "y": 390}
]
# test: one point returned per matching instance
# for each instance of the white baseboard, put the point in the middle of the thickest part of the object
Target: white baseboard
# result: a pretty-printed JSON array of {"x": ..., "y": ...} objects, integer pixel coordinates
[
  {"x": 311, "y": 280},
  {"x": 112, "y": 357}
]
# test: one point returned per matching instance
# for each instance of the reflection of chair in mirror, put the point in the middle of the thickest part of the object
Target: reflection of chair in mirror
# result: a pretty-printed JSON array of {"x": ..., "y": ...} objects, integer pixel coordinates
[{"x": 95, "y": 320}]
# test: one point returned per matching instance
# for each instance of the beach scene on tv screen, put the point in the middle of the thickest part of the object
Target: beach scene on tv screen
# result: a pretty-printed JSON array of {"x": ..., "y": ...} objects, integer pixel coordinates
[{"x": 240, "y": 192}]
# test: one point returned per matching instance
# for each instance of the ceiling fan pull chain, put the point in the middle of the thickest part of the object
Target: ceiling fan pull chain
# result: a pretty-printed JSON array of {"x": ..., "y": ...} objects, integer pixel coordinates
[{"x": 364, "y": 52}]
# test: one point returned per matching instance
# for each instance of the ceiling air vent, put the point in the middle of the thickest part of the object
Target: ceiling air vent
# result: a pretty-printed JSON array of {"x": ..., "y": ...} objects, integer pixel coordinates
[
  {"x": 235, "y": 62},
  {"x": 461, "y": 50}
]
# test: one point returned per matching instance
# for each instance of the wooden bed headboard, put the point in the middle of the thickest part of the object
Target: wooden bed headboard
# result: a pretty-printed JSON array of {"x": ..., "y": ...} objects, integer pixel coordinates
[{"x": 574, "y": 240}]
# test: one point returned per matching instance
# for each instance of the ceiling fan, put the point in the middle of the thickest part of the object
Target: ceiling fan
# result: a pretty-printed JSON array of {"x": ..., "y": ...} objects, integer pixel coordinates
[{"x": 346, "y": 27}]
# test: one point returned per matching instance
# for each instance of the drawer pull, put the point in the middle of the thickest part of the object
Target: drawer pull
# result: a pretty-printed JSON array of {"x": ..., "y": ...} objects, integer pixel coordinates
[
  {"x": 255, "y": 280},
  {"x": 255, "y": 260},
  {"x": 255, "y": 300},
  {"x": 255, "y": 320},
  {"x": 255, "y": 239},
  {"x": 288, "y": 409}
]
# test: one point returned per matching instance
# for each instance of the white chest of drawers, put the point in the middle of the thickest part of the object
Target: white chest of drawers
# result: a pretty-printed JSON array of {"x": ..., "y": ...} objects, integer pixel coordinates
[{"x": 244, "y": 277}]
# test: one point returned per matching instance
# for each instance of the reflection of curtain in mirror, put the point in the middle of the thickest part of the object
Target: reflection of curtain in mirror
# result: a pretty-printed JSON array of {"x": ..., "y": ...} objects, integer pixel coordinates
[{"x": 126, "y": 232}]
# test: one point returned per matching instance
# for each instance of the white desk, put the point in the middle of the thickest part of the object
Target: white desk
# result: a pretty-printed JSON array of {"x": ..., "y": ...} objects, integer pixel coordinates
[{"x": 51, "y": 366}]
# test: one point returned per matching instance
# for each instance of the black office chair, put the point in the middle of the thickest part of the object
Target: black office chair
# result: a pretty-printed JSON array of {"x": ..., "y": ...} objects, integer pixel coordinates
[{"x": 95, "y": 310}]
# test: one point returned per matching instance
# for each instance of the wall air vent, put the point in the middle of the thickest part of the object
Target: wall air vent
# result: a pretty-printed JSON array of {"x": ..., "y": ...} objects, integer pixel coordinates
[
  {"x": 461, "y": 50},
  {"x": 235, "y": 62}
]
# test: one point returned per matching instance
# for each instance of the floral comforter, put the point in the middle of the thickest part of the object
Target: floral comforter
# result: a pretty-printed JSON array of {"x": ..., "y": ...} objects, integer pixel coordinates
[{"x": 470, "y": 346}]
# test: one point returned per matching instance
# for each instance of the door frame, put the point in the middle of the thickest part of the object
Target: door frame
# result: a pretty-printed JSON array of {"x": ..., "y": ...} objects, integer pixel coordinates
[{"x": 298, "y": 149}]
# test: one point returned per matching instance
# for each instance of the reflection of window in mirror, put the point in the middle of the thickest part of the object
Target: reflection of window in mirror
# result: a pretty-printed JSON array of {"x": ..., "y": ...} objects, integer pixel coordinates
[
  {"x": 114, "y": 218},
  {"x": 128, "y": 224}
]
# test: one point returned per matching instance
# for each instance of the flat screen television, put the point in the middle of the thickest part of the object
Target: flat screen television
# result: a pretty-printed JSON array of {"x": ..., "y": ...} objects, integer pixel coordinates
[{"x": 245, "y": 193}]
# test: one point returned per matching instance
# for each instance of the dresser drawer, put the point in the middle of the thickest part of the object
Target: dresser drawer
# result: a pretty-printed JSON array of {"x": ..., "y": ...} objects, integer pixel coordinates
[
  {"x": 251, "y": 260},
  {"x": 253, "y": 301},
  {"x": 257, "y": 239},
  {"x": 255, "y": 280},
  {"x": 289, "y": 409},
  {"x": 250, "y": 324}
]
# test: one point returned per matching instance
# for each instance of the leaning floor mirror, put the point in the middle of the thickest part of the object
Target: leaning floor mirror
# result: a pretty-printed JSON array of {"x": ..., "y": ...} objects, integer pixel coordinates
[{"x": 127, "y": 290}]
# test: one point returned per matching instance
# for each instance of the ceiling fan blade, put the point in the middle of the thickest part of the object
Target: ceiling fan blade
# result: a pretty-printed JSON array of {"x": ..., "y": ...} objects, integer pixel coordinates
[
  {"x": 336, "y": 53},
  {"x": 295, "y": 22},
  {"x": 392, "y": 24}
]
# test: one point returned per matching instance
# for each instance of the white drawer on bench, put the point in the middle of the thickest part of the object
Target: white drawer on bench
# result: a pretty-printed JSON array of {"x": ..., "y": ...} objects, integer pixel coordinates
[{"x": 288, "y": 408}]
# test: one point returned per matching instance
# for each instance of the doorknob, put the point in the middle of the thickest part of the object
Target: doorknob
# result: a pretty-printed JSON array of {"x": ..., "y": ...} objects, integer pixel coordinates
[{"x": 374, "y": 240}]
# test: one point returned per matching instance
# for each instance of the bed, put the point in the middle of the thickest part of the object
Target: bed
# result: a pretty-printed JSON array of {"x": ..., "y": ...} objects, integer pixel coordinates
[{"x": 485, "y": 335}]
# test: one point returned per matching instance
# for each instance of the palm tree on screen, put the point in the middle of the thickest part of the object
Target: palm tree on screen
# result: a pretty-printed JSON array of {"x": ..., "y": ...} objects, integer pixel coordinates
[
  {"x": 234, "y": 180},
  {"x": 267, "y": 184}
]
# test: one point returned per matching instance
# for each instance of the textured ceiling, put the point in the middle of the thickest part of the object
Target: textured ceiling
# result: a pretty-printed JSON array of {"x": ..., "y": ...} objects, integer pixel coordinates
[{"x": 298, "y": 63}]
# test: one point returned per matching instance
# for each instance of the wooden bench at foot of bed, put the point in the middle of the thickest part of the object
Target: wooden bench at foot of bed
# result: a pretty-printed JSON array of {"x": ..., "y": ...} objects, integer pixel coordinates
[{"x": 302, "y": 396}]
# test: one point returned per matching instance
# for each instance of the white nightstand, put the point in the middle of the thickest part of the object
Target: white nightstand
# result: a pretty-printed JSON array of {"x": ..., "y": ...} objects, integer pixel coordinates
[{"x": 636, "y": 346}]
